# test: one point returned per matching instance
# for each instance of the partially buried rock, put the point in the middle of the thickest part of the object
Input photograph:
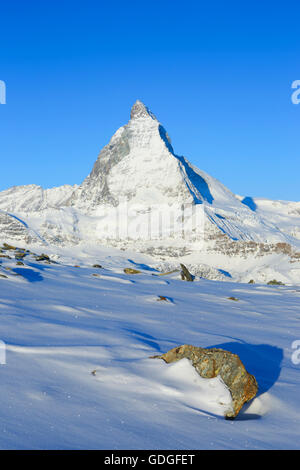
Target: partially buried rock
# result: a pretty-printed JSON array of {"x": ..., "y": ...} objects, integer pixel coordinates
[
  {"x": 210, "y": 363},
  {"x": 185, "y": 274},
  {"x": 6, "y": 246},
  {"x": 20, "y": 255},
  {"x": 162, "y": 297}
]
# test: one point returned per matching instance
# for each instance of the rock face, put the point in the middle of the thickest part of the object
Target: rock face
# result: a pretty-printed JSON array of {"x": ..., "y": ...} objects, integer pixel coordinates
[{"x": 210, "y": 363}]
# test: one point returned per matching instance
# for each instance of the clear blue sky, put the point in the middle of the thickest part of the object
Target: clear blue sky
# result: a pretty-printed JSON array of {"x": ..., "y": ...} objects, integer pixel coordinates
[{"x": 217, "y": 74}]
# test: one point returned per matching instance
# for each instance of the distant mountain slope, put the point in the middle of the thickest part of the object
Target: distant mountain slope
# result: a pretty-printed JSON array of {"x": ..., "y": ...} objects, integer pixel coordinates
[{"x": 141, "y": 195}]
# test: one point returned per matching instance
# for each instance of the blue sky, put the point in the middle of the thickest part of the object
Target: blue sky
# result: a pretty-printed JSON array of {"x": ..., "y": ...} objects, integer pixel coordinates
[{"x": 217, "y": 75}]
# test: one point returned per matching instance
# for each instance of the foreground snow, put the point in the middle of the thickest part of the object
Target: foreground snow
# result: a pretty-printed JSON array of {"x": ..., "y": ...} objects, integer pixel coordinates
[{"x": 78, "y": 372}]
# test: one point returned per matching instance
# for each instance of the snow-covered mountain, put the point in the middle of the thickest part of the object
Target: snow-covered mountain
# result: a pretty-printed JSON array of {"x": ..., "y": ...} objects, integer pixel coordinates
[{"x": 141, "y": 195}]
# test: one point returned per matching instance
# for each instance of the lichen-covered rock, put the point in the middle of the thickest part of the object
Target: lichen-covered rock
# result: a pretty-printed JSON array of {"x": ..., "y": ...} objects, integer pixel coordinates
[
  {"x": 6, "y": 246},
  {"x": 20, "y": 255},
  {"x": 162, "y": 298},
  {"x": 212, "y": 362},
  {"x": 42, "y": 257}
]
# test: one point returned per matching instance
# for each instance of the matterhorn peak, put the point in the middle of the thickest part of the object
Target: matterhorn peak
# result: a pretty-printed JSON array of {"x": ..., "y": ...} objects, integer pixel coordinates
[{"x": 139, "y": 110}]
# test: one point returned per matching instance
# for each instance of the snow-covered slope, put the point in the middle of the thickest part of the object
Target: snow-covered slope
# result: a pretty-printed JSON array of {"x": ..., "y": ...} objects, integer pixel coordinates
[{"x": 141, "y": 195}]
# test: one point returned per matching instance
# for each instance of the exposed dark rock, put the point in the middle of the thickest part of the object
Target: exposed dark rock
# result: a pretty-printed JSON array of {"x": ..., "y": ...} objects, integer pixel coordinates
[
  {"x": 131, "y": 271},
  {"x": 274, "y": 282},
  {"x": 168, "y": 272},
  {"x": 213, "y": 362},
  {"x": 6, "y": 246}
]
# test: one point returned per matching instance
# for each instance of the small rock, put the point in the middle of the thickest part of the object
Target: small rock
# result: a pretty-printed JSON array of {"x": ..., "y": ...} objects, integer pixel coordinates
[
  {"x": 274, "y": 282},
  {"x": 42, "y": 257},
  {"x": 6, "y": 246},
  {"x": 20, "y": 255},
  {"x": 131, "y": 271},
  {"x": 212, "y": 362}
]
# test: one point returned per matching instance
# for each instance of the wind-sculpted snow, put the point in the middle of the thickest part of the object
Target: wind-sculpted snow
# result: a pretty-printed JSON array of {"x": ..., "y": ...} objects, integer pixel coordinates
[{"x": 141, "y": 195}]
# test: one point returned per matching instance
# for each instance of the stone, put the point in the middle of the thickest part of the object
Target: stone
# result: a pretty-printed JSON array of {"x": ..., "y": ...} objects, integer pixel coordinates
[
  {"x": 6, "y": 246},
  {"x": 161, "y": 297},
  {"x": 20, "y": 255},
  {"x": 42, "y": 257},
  {"x": 213, "y": 362}
]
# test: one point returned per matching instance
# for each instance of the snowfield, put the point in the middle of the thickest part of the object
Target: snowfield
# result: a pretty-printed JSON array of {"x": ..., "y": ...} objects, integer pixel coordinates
[{"x": 78, "y": 340}]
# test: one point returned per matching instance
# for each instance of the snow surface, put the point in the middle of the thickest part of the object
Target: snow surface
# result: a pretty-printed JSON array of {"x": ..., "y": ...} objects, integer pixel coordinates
[
  {"x": 78, "y": 373},
  {"x": 139, "y": 180}
]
